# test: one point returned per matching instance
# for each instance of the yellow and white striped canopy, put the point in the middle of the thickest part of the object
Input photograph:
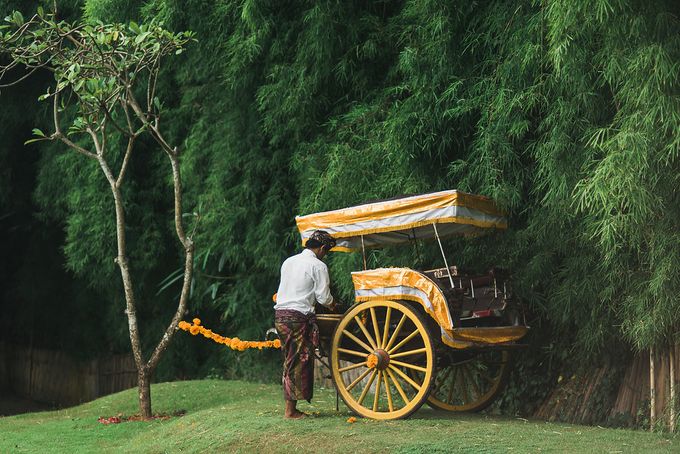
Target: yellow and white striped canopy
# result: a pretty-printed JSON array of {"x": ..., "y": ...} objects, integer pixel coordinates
[{"x": 395, "y": 221}]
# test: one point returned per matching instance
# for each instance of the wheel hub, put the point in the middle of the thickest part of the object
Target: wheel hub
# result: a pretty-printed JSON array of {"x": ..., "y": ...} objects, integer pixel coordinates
[{"x": 379, "y": 359}]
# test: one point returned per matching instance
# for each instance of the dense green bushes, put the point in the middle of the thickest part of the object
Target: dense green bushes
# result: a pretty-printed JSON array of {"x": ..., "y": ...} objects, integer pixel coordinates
[{"x": 565, "y": 112}]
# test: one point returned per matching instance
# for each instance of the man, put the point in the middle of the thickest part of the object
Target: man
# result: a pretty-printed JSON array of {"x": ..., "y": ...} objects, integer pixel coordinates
[{"x": 304, "y": 281}]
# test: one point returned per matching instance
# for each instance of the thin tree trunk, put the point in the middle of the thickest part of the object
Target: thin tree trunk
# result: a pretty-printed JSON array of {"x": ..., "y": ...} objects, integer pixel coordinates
[
  {"x": 144, "y": 389},
  {"x": 671, "y": 373},
  {"x": 130, "y": 302},
  {"x": 652, "y": 389}
]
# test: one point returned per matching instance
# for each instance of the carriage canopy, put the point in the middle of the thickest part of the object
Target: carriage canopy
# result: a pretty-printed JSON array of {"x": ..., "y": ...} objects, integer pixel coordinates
[{"x": 406, "y": 218}]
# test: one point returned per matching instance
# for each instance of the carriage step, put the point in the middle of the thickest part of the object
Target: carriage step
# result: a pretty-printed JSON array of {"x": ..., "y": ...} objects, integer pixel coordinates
[{"x": 489, "y": 335}]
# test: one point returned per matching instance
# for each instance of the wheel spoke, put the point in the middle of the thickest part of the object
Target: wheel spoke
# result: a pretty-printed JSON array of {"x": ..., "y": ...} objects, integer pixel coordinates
[
  {"x": 410, "y": 352},
  {"x": 376, "y": 330},
  {"x": 358, "y": 379},
  {"x": 405, "y": 377},
  {"x": 358, "y": 341},
  {"x": 390, "y": 405},
  {"x": 444, "y": 377},
  {"x": 410, "y": 366},
  {"x": 383, "y": 344},
  {"x": 475, "y": 387},
  {"x": 365, "y": 331},
  {"x": 449, "y": 397},
  {"x": 487, "y": 378},
  {"x": 376, "y": 398},
  {"x": 352, "y": 367},
  {"x": 466, "y": 391},
  {"x": 396, "y": 331},
  {"x": 352, "y": 352},
  {"x": 406, "y": 339},
  {"x": 367, "y": 387},
  {"x": 440, "y": 380},
  {"x": 398, "y": 386}
]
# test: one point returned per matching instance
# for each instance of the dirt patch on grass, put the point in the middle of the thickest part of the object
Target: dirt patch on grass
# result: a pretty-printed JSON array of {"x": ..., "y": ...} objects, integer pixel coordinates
[{"x": 120, "y": 418}]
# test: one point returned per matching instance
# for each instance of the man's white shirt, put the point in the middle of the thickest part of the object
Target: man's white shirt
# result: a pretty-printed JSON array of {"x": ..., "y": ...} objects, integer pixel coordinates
[{"x": 304, "y": 281}]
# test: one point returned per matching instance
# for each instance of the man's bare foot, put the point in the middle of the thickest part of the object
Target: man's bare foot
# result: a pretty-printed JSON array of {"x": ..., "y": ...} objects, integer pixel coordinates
[{"x": 296, "y": 415}]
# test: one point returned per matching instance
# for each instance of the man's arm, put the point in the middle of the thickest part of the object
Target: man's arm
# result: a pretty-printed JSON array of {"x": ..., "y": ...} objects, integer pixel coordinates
[{"x": 322, "y": 287}]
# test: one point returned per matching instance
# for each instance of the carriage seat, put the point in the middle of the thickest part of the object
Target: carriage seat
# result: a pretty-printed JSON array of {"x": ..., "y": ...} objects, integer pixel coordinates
[
  {"x": 472, "y": 295},
  {"x": 466, "y": 281}
]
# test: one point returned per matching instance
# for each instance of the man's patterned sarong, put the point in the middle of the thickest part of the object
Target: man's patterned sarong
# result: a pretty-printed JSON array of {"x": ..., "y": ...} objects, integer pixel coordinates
[{"x": 299, "y": 337}]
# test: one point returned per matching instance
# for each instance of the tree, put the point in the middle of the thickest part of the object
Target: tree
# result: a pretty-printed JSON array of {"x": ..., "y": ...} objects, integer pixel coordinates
[{"x": 100, "y": 71}]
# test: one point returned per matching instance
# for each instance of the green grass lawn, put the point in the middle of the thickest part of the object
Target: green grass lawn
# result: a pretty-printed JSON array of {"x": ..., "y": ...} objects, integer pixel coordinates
[{"x": 232, "y": 416}]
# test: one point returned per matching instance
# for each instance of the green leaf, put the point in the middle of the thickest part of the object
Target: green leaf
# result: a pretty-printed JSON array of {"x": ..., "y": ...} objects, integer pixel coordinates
[
  {"x": 141, "y": 37},
  {"x": 18, "y": 18},
  {"x": 134, "y": 27},
  {"x": 35, "y": 140},
  {"x": 38, "y": 132}
]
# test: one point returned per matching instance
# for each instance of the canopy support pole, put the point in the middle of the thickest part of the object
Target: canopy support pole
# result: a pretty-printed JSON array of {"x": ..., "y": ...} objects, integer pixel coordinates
[
  {"x": 448, "y": 270},
  {"x": 363, "y": 252}
]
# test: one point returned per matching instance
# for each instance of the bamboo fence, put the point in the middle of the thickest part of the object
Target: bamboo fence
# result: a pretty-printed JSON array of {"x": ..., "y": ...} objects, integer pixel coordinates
[
  {"x": 590, "y": 397},
  {"x": 53, "y": 377},
  {"x": 636, "y": 392}
]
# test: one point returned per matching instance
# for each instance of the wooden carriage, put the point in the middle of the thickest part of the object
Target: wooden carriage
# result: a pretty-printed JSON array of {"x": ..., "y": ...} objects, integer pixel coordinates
[{"x": 440, "y": 335}]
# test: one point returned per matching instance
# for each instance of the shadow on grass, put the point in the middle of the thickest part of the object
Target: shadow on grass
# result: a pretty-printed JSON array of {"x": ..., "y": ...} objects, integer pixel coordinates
[{"x": 11, "y": 404}]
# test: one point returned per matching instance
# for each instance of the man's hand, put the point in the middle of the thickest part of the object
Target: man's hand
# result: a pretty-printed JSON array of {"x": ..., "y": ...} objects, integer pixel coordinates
[{"x": 333, "y": 306}]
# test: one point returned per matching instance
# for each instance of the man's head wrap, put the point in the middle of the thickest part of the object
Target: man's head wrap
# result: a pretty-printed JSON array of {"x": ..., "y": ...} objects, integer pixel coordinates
[{"x": 321, "y": 238}]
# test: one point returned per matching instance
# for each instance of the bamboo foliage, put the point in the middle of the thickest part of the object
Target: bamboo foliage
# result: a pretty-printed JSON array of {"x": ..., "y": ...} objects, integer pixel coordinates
[{"x": 565, "y": 112}]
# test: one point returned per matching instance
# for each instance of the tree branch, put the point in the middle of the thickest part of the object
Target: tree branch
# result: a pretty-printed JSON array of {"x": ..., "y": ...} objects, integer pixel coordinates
[
  {"x": 58, "y": 134},
  {"x": 119, "y": 128},
  {"x": 188, "y": 266},
  {"x": 21, "y": 79},
  {"x": 126, "y": 159},
  {"x": 179, "y": 313},
  {"x": 126, "y": 111},
  {"x": 154, "y": 131},
  {"x": 95, "y": 139}
]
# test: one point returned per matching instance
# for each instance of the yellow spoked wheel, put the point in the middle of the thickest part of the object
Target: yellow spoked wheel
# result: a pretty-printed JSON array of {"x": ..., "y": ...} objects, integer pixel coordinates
[
  {"x": 471, "y": 381},
  {"x": 382, "y": 359}
]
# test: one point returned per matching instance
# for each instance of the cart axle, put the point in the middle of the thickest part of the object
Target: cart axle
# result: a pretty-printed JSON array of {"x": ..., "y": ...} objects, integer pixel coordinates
[{"x": 379, "y": 359}]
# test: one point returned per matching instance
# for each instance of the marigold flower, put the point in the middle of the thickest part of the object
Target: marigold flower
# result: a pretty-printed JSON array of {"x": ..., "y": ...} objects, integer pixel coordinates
[
  {"x": 351, "y": 420},
  {"x": 183, "y": 325},
  {"x": 194, "y": 330},
  {"x": 371, "y": 361},
  {"x": 197, "y": 321},
  {"x": 277, "y": 343}
]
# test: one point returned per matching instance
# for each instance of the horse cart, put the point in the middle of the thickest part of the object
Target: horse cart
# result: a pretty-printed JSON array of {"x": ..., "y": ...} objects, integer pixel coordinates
[{"x": 440, "y": 335}]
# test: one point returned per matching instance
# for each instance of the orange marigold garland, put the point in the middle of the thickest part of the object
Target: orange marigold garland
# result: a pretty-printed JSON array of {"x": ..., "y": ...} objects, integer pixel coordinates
[{"x": 233, "y": 343}]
